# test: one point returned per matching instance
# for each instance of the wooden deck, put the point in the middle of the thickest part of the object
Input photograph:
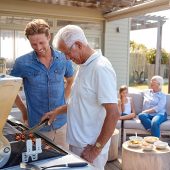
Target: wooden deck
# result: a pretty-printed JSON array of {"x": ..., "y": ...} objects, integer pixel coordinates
[{"x": 116, "y": 164}]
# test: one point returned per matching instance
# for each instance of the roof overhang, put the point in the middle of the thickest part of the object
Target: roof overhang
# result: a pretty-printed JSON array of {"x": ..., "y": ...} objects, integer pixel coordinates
[
  {"x": 28, "y": 8},
  {"x": 148, "y": 7},
  {"x": 64, "y": 12}
]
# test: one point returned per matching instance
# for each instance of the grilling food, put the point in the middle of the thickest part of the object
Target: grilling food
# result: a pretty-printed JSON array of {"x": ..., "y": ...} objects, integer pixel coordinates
[
  {"x": 135, "y": 142},
  {"x": 23, "y": 137}
]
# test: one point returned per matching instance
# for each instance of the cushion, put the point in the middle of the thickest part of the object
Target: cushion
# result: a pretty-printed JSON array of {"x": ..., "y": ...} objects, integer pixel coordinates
[
  {"x": 136, "y": 124},
  {"x": 133, "y": 124},
  {"x": 165, "y": 126},
  {"x": 168, "y": 104},
  {"x": 118, "y": 125},
  {"x": 138, "y": 100},
  {"x": 137, "y": 97}
]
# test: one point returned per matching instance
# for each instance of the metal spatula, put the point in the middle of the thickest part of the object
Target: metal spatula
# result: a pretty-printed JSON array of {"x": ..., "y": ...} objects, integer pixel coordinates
[{"x": 37, "y": 127}]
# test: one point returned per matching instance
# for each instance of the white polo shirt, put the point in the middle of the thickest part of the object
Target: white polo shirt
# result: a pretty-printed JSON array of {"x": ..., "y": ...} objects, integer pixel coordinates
[{"x": 94, "y": 84}]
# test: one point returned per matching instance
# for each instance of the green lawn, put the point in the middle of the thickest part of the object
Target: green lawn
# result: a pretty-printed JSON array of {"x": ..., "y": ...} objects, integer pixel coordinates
[{"x": 144, "y": 86}]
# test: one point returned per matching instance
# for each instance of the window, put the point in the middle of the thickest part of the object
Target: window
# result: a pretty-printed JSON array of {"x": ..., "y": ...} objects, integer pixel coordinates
[
  {"x": 22, "y": 45},
  {"x": 12, "y": 45},
  {"x": 7, "y": 46}
]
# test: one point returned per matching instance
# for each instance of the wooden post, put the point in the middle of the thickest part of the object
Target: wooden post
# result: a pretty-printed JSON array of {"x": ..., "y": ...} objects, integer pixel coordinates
[
  {"x": 169, "y": 78},
  {"x": 158, "y": 51}
]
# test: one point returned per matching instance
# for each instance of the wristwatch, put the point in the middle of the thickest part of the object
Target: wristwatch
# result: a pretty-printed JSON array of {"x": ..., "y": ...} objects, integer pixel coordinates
[{"x": 98, "y": 145}]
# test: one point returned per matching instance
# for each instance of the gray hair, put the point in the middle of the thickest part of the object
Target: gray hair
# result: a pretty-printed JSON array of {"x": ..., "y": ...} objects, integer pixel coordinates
[
  {"x": 70, "y": 34},
  {"x": 159, "y": 80}
]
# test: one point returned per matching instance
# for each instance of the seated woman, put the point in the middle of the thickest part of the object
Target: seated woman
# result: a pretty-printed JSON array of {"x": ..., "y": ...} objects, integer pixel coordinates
[
  {"x": 154, "y": 103},
  {"x": 125, "y": 104}
]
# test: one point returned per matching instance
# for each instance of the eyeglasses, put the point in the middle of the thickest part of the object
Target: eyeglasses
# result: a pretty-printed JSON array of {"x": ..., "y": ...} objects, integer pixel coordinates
[
  {"x": 69, "y": 49},
  {"x": 154, "y": 82}
]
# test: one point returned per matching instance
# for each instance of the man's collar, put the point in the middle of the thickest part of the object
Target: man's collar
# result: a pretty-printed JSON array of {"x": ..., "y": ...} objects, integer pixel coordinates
[
  {"x": 91, "y": 58},
  {"x": 52, "y": 53},
  {"x": 151, "y": 90}
]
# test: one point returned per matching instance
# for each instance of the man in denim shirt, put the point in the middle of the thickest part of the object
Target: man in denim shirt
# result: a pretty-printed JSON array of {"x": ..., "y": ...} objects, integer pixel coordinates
[{"x": 43, "y": 71}]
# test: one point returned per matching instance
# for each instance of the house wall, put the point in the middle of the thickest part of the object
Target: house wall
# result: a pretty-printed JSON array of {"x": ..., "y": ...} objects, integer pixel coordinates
[
  {"x": 116, "y": 48},
  {"x": 114, "y": 45}
]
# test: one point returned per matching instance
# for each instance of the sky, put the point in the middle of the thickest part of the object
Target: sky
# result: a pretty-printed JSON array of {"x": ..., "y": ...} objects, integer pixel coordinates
[{"x": 148, "y": 37}]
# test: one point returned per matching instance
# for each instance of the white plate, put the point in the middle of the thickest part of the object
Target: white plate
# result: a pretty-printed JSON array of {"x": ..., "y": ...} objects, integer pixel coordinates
[
  {"x": 147, "y": 146},
  {"x": 139, "y": 138},
  {"x": 134, "y": 145},
  {"x": 161, "y": 145},
  {"x": 151, "y": 139}
]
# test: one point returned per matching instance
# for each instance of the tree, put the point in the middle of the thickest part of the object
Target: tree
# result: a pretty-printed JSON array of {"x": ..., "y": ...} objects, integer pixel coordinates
[
  {"x": 137, "y": 48},
  {"x": 151, "y": 55}
]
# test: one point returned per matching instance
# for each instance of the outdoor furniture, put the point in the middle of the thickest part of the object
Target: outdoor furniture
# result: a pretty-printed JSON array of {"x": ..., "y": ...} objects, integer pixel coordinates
[
  {"x": 118, "y": 127},
  {"x": 134, "y": 125},
  {"x": 113, "y": 150},
  {"x": 137, "y": 159}
]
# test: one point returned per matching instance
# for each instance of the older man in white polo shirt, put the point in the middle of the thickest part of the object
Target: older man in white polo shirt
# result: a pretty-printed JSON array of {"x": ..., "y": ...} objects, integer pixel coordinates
[{"x": 92, "y": 110}]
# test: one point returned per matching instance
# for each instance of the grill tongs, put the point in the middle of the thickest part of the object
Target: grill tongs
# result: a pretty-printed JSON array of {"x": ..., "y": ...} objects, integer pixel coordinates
[{"x": 37, "y": 127}]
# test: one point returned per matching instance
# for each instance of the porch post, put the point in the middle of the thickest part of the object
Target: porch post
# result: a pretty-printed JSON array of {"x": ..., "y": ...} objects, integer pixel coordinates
[
  {"x": 169, "y": 78},
  {"x": 158, "y": 51}
]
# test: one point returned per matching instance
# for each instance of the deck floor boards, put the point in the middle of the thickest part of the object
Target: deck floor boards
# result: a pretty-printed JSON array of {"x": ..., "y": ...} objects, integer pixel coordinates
[{"x": 116, "y": 164}]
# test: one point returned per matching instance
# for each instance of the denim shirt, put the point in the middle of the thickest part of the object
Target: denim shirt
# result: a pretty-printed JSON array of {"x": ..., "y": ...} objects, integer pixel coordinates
[
  {"x": 156, "y": 101},
  {"x": 44, "y": 88}
]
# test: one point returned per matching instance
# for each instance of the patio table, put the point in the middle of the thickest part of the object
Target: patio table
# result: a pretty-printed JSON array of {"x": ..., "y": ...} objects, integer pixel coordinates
[{"x": 137, "y": 159}]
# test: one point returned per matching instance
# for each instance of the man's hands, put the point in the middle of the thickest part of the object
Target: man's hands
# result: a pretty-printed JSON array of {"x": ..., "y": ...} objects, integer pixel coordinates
[
  {"x": 90, "y": 153},
  {"x": 123, "y": 100},
  {"x": 52, "y": 114},
  {"x": 25, "y": 122},
  {"x": 149, "y": 111},
  {"x": 145, "y": 111},
  {"x": 49, "y": 115}
]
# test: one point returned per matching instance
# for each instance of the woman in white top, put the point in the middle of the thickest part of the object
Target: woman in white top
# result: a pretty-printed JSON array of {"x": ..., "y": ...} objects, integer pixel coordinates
[{"x": 125, "y": 104}]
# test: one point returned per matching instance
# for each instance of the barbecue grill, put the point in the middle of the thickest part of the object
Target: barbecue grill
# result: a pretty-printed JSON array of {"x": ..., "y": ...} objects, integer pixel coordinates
[
  {"x": 14, "y": 137},
  {"x": 11, "y": 147}
]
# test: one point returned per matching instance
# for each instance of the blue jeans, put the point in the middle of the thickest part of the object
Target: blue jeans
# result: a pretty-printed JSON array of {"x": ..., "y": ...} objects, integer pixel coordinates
[{"x": 152, "y": 122}]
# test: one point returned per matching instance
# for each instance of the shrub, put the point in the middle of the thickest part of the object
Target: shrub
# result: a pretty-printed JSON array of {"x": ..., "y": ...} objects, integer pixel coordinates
[{"x": 151, "y": 55}]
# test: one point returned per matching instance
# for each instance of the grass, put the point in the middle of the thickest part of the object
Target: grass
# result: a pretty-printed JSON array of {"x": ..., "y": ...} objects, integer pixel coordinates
[{"x": 145, "y": 86}]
